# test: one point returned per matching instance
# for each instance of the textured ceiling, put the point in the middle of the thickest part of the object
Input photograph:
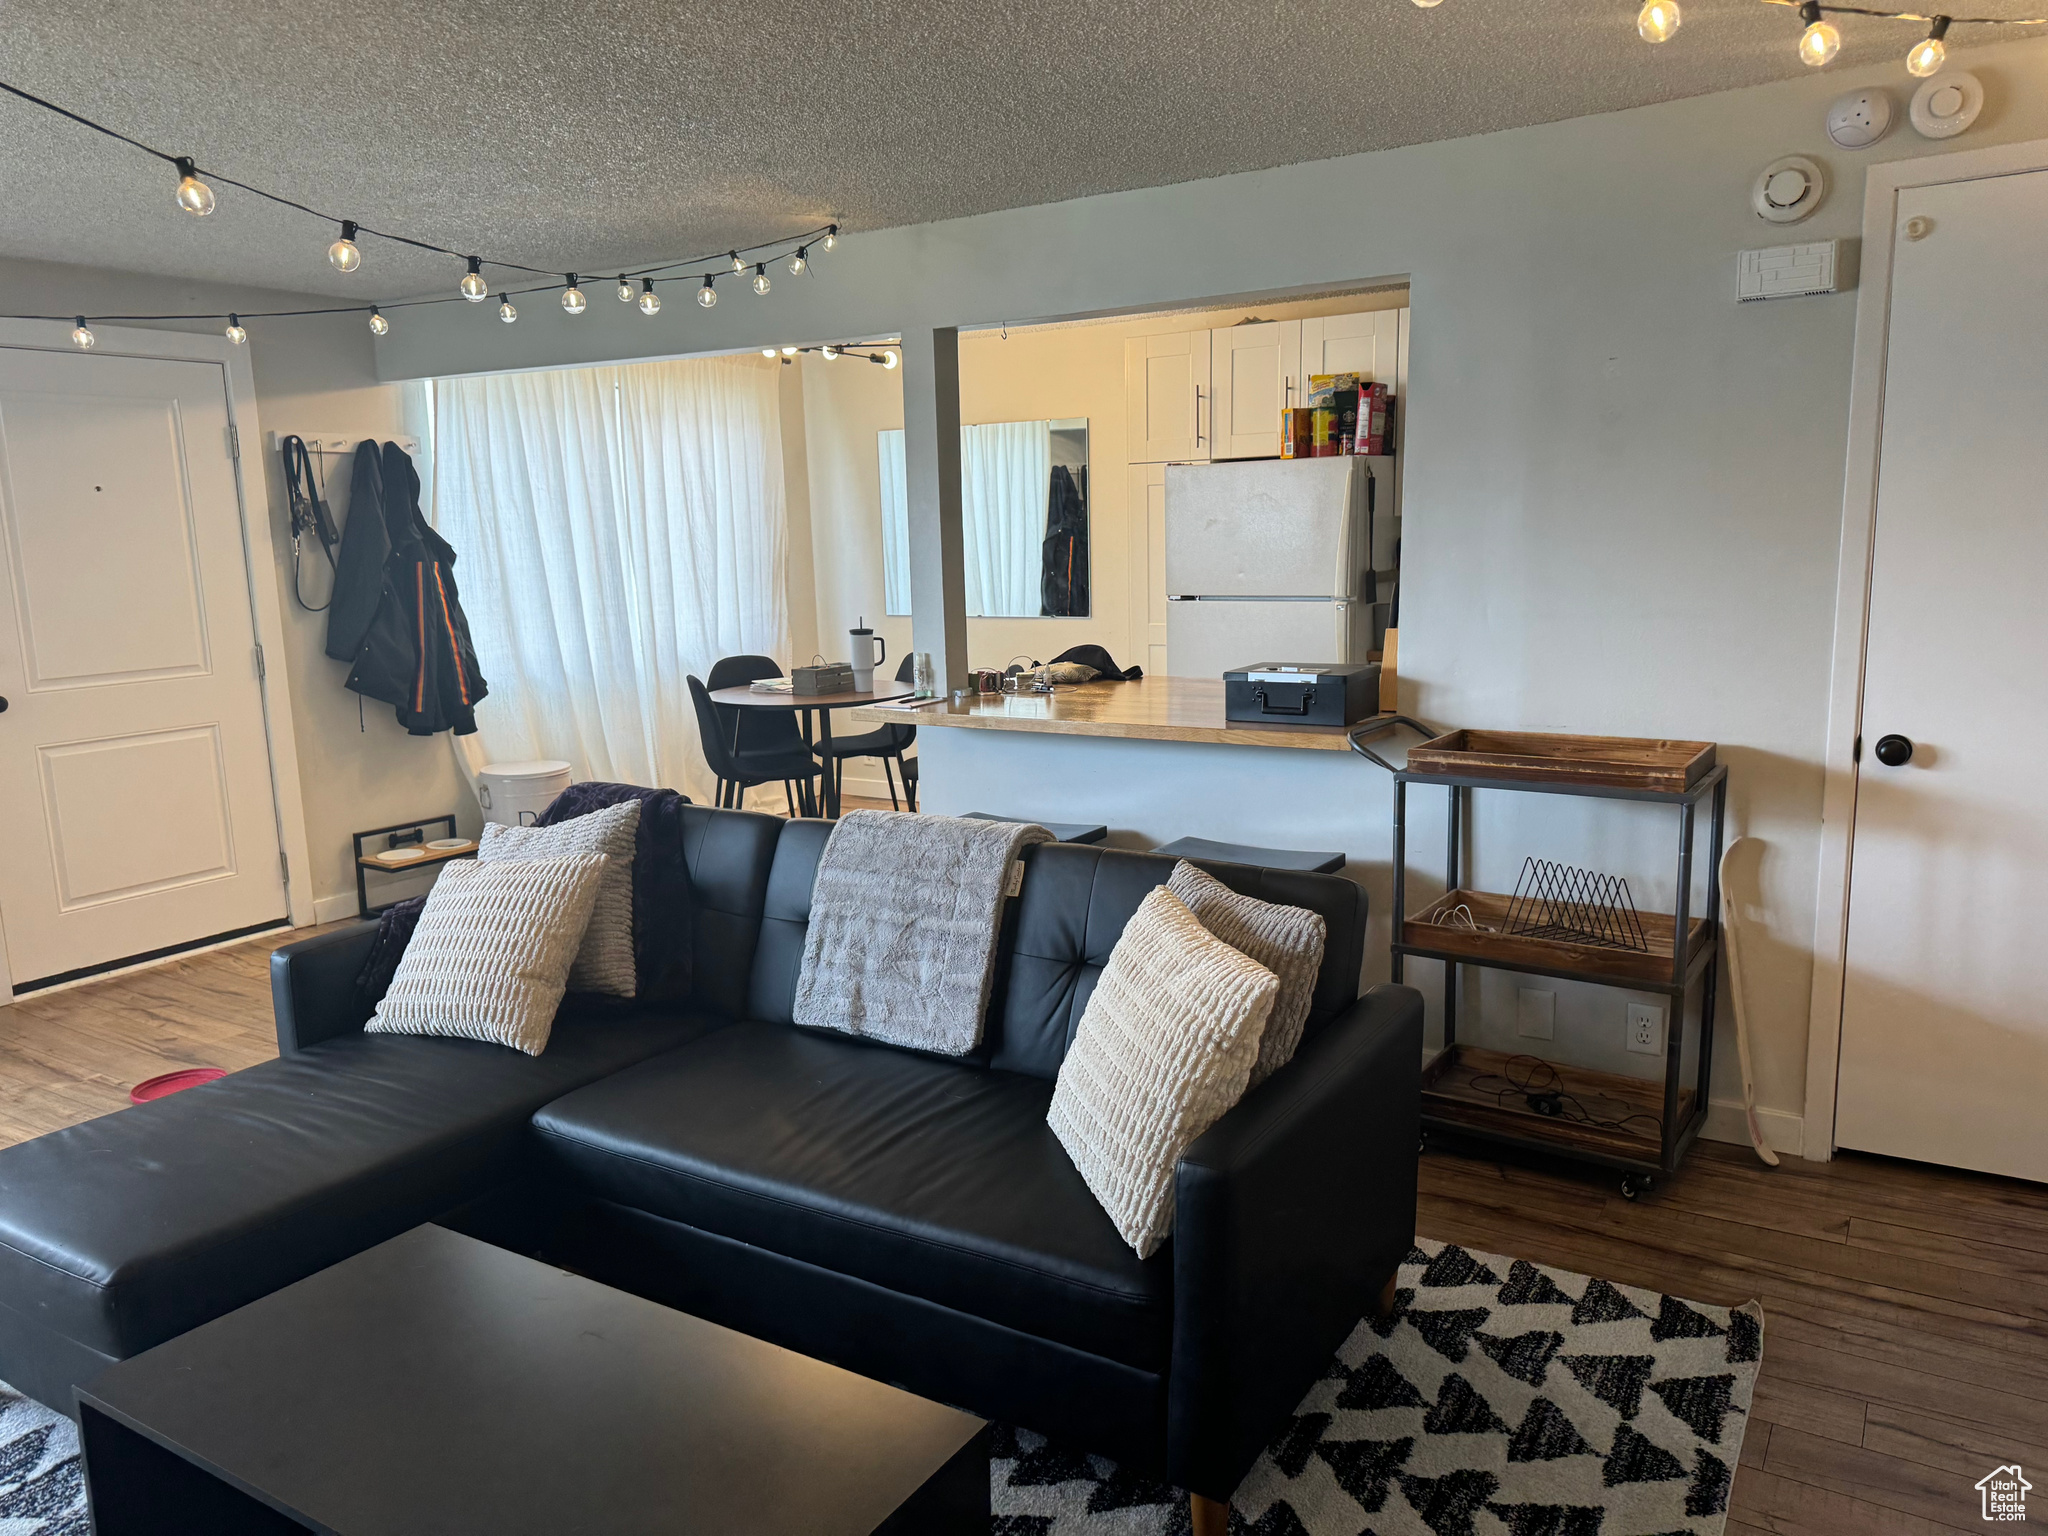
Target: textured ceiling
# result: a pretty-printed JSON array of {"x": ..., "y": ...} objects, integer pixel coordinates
[{"x": 596, "y": 134}]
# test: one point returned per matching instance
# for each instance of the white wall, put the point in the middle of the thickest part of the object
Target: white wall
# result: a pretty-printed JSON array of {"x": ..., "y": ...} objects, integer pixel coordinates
[
  {"x": 314, "y": 374},
  {"x": 1622, "y": 491}
]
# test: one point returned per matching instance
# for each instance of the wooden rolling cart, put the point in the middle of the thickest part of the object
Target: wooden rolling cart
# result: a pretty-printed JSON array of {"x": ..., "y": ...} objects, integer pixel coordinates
[{"x": 1682, "y": 774}]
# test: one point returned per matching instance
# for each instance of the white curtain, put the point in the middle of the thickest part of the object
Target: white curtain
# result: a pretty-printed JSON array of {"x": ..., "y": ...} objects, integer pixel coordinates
[
  {"x": 895, "y": 523},
  {"x": 1005, "y": 485},
  {"x": 617, "y": 529},
  {"x": 1005, "y": 482}
]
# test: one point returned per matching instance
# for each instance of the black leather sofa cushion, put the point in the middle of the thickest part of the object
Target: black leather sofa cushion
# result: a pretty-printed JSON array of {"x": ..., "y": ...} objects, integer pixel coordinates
[
  {"x": 1075, "y": 902},
  {"x": 729, "y": 854},
  {"x": 925, "y": 1177},
  {"x": 127, "y": 1230}
]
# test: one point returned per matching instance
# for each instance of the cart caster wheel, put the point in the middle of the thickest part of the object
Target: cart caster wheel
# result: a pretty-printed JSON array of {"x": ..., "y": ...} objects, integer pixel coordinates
[{"x": 1634, "y": 1184}]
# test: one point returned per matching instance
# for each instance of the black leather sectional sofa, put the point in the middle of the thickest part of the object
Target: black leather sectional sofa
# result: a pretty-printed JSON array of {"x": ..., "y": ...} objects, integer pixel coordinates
[{"x": 906, "y": 1216}]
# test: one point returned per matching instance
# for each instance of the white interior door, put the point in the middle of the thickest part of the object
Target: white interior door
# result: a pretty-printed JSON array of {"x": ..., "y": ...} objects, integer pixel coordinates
[
  {"x": 1146, "y": 492},
  {"x": 1945, "y": 1005},
  {"x": 1254, "y": 369},
  {"x": 1168, "y": 411},
  {"x": 133, "y": 759}
]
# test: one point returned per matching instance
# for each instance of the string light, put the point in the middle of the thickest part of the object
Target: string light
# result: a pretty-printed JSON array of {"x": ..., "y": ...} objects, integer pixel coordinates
[
  {"x": 1428, "y": 5},
  {"x": 82, "y": 336},
  {"x": 789, "y": 351},
  {"x": 1821, "y": 40},
  {"x": 1658, "y": 20},
  {"x": 770, "y": 353},
  {"x": 345, "y": 253},
  {"x": 890, "y": 359},
  {"x": 194, "y": 195},
  {"x": 1929, "y": 56},
  {"x": 572, "y": 297},
  {"x": 235, "y": 333},
  {"x": 828, "y": 353}
]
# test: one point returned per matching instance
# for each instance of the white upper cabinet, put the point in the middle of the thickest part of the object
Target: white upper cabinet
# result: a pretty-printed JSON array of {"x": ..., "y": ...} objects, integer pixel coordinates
[
  {"x": 1168, "y": 408},
  {"x": 1256, "y": 373},
  {"x": 1201, "y": 395}
]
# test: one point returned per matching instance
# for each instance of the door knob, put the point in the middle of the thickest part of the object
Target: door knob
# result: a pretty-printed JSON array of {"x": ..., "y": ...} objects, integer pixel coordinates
[
  {"x": 1894, "y": 751},
  {"x": 3, "y": 706}
]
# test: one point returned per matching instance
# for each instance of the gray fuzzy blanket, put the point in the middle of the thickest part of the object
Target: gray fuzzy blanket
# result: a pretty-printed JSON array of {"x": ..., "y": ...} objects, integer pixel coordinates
[{"x": 904, "y": 918}]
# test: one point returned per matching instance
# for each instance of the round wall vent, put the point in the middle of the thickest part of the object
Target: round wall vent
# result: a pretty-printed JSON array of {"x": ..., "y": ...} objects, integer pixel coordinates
[{"x": 1787, "y": 190}]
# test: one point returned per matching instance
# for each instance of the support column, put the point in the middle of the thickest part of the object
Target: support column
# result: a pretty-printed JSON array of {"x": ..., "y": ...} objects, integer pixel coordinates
[{"x": 931, "y": 463}]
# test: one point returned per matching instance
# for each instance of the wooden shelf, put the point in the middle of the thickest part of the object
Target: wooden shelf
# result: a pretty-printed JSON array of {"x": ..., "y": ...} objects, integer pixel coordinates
[
  {"x": 1605, "y": 762},
  {"x": 1466, "y": 1088},
  {"x": 1487, "y": 943},
  {"x": 429, "y": 857}
]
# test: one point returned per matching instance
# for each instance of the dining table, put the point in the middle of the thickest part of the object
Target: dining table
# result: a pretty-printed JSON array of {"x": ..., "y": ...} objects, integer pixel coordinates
[{"x": 743, "y": 696}]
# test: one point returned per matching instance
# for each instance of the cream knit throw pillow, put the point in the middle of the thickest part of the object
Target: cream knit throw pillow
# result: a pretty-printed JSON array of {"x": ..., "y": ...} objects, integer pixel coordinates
[
  {"x": 604, "y": 961},
  {"x": 1165, "y": 1046},
  {"x": 492, "y": 951},
  {"x": 1288, "y": 941}
]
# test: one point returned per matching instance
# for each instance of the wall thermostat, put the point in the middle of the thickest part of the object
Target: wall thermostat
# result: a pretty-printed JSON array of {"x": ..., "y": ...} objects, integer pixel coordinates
[
  {"x": 1947, "y": 104},
  {"x": 1789, "y": 271},
  {"x": 1859, "y": 119},
  {"x": 1787, "y": 190}
]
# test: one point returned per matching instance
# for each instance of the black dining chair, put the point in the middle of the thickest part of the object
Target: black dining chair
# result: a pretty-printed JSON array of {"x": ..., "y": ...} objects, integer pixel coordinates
[
  {"x": 738, "y": 772},
  {"x": 889, "y": 743}
]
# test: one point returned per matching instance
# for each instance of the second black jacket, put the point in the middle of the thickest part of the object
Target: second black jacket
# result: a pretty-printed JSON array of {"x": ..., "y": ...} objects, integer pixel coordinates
[{"x": 396, "y": 616}]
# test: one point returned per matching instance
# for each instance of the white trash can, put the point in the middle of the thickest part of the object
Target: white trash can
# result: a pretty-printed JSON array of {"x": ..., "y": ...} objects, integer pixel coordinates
[{"x": 513, "y": 794}]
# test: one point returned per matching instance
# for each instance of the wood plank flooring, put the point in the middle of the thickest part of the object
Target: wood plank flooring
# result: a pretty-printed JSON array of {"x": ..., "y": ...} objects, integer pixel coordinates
[{"x": 1906, "y": 1315}]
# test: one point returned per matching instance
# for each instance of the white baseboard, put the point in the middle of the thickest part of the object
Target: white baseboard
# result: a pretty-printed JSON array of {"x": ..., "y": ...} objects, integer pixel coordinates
[
  {"x": 1785, "y": 1131},
  {"x": 332, "y": 909}
]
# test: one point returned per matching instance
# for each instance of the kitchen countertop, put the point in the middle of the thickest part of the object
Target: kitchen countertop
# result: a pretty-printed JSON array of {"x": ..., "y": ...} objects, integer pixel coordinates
[{"x": 1150, "y": 709}]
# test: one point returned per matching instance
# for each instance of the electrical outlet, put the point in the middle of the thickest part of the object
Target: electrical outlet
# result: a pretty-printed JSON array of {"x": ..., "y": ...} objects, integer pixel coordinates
[
  {"x": 1535, "y": 1013},
  {"x": 1646, "y": 1029}
]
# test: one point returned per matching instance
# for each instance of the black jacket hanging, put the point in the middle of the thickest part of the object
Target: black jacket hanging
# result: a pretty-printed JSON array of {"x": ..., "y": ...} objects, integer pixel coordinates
[
  {"x": 397, "y": 618},
  {"x": 1063, "y": 573}
]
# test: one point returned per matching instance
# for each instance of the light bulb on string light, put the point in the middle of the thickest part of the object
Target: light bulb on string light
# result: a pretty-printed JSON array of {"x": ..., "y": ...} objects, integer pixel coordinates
[
  {"x": 234, "y": 332},
  {"x": 625, "y": 290},
  {"x": 1821, "y": 40},
  {"x": 1428, "y": 5},
  {"x": 831, "y": 241},
  {"x": 194, "y": 195},
  {"x": 890, "y": 359},
  {"x": 828, "y": 353},
  {"x": 799, "y": 261},
  {"x": 1928, "y": 57},
  {"x": 734, "y": 258},
  {"x": 507, "y": 310},
  {"x": 81, "y": 334},
  {"x": 379, "y": 326},
  {"x": 770, "y": 353},
  {"x": 345, "y": 253},
  {"x": 789, "y": 351},
  {"x": 761, "y": 283},
  {"x": 474, "y": 288},
  {"x": 1658, "y": 21},
  {"x": 707, "y": 295},
  {"x": 572, "y": 296},
  {"x": 650, "y": 301}
]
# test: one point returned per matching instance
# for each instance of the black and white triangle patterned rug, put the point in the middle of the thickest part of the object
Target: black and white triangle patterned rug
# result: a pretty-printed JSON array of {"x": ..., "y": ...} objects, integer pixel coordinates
[{"x": 1504, "y": 1398}]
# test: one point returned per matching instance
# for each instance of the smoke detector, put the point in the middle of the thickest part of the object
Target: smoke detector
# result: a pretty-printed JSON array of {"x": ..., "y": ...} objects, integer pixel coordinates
[
  {"x": 1859, "y": 119},
  {"x": 1946, "y": 104},
  {"x": 1787, "y": 190}
]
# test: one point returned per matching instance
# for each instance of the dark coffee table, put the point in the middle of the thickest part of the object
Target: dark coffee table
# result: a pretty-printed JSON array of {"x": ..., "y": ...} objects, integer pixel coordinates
[{"x": 440, "y": 1386}]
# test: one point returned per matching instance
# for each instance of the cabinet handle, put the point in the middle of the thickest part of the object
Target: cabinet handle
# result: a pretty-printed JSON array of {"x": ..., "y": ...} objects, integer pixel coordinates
[{"x": 1198, "y": 413}]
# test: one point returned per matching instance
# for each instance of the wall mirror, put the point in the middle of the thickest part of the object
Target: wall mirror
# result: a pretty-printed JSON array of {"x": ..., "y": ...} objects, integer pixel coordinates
[{"x": 1024, "y": 504}]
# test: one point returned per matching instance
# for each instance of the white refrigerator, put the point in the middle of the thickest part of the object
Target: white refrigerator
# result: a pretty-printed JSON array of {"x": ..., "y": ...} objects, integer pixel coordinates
[{"x": 1267, "y": 560}]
